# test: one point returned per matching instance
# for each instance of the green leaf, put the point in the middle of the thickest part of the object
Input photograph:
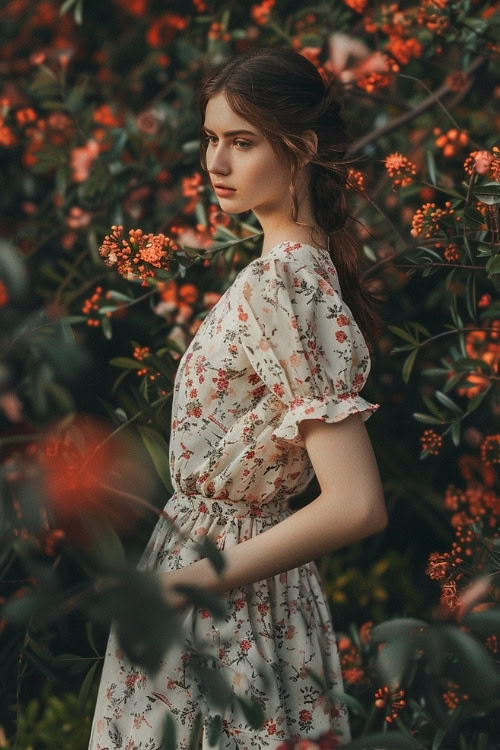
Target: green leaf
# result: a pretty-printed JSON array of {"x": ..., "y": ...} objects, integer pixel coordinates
[
  {"x": 203, "y": 599},
  {"x": 484, "y": 623},
  {"x": 66, "y": 6},
  {"x": 254, "y": 713},
  {"x": 471, "y": 364},
  {"x": 106, "y": 327},
  {"x": 433, "y": 408},
  {"x": 403, "y": 334},
  {"x": 455, "y": 431},
  {"x": 158, "y": 450},
  {"x": 476, "y": 669},
  {"x": 493, "y": 265},
  {"x": 470, "y": 295},
  {"x": 451, "y": 382},
  {"x": 195, "y": 738},
  {"x": 215, "y": 730},
  {"x": 369, "y": 253},
  {"x": 131, "y": 364},
  {"x": 90, "y": 637},
  {"x": 441, "y": 733},
  {"x": 488, "y": 192},
  {"x": 350, "y": 701},
  {"x": 170, "y": 734},
  {"x": 209, "y": 549},
  {"x": 408, "y": 365},
  {"x": 426, "y": 418},
  {"x": 113, "y": 294},
  {"x": 419, "y": 327},
  {"x": 85, "y": 688},
  {"x": 105, "y": 548},
  {"x": 446, "y": 401},
  {"x": 385, "y": 631},
  {"x": 431, "y": 165},
  {"x": 476, "y": 400}
]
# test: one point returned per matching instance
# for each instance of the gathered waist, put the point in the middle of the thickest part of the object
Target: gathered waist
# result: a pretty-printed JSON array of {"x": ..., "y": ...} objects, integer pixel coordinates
[{"x": 225, "y": 509}]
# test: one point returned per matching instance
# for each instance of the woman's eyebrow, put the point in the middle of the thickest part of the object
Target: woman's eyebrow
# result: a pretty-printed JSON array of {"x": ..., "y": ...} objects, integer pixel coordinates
[{"x": 230, "y": 132}]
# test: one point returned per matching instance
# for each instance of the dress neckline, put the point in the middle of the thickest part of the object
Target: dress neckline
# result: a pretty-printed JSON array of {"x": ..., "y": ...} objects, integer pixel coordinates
[{"x": 294, "y": 247}]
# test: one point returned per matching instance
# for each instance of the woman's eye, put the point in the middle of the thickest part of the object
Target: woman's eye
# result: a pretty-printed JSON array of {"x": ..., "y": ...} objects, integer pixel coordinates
[{"x": 241, "y": 144}]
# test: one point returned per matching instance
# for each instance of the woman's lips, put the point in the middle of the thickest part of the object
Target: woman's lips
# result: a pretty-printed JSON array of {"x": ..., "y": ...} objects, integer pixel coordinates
[{"x": 223, "y": 192}]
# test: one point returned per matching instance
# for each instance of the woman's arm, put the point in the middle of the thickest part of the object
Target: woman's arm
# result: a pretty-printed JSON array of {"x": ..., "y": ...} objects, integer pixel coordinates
[{"x": 350, "y": 507}]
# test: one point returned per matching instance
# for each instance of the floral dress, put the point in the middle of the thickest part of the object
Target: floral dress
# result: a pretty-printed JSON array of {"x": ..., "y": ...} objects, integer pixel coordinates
[{"x": 279, "y": 346}]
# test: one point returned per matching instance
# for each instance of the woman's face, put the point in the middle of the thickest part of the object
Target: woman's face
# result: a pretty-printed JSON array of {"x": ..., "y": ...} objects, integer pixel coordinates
[{"x": 245, "y": 162}]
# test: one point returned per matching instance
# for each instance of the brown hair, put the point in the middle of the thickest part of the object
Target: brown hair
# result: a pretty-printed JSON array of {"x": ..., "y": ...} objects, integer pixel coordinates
[{"x": 283, "y": 94}]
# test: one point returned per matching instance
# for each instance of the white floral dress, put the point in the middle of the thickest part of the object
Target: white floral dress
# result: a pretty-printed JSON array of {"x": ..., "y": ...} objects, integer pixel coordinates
[{"x": 279, "y": 346}]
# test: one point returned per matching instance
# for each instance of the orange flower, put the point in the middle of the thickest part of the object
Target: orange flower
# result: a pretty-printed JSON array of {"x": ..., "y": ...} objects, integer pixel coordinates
[
  {"x": 400, "y": 168},
  {"x": 162, "y": 32},
  {"x": 131, "y": 256},
  {"x": 85, "y": 473}
]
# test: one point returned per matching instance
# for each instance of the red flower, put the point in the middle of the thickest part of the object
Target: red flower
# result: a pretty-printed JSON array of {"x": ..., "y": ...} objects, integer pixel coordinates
[{"x": 85, "y": 473}]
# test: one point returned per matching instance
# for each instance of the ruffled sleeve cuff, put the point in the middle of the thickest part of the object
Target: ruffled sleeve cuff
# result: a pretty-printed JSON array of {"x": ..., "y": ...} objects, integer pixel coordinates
[{"x": 326, "y": 410}]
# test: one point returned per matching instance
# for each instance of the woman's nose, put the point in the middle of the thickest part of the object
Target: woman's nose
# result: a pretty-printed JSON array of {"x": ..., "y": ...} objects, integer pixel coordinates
[{"x": 217, "y": 162}]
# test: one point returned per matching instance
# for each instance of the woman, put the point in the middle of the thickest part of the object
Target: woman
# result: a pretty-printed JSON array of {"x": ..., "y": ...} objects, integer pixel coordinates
[{"x": 266, "y": 395}]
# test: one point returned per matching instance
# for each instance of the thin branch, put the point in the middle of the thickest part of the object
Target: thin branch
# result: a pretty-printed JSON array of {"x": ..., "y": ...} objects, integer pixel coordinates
[{"x": 425, "y": 104}]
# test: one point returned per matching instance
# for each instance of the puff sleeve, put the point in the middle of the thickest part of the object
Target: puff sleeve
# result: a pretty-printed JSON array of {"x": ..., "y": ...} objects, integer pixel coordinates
[{"x": 303, "y": 342}]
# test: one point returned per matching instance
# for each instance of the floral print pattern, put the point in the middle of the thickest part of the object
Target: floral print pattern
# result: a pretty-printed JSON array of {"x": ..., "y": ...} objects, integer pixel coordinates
[{"x": 280, "y": 346}]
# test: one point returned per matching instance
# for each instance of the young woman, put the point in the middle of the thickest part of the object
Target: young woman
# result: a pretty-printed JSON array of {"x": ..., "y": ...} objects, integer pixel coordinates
[{"x": 266, "y": 395}]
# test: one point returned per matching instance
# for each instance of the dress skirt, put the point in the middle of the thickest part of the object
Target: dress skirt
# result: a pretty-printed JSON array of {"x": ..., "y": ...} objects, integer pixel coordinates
[{"x": 276, "y": 634}]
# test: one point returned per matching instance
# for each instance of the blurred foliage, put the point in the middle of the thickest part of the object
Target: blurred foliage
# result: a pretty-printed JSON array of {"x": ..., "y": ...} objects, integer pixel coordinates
[{"x": 98, "y": 130}]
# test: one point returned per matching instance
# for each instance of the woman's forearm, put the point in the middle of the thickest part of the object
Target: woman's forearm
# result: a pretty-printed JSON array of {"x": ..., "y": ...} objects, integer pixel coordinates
[{"x": 322, "y": 526}]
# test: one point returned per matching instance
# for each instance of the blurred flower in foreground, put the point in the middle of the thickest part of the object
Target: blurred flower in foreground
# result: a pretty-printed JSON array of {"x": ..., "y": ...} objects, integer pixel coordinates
[{"x": 86, "y": 473}]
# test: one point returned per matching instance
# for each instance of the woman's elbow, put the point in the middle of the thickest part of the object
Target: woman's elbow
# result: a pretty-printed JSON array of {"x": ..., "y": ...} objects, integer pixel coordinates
[{"x": 376, "y": 517}]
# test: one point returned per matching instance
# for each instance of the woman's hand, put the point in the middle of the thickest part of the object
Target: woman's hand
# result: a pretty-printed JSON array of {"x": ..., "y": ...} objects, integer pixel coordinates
[
  {"x": 167, "y": 581},
  {"x": 174, "y": 598}
]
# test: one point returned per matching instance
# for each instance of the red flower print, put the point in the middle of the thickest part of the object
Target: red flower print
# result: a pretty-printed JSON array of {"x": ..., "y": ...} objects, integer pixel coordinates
[
  {"x": 242, "y": 315},
  {"x": 245, "y": 645},
  {"x": 341, "y": 336},
  {"x": 270, "y": 726},
  {"x": 278, "y": 389},
  {"x": 358, "y": 380},
  {"x": 343, "y": 320},
  {"x": 263, "y": 608},
  {"x": 290, "y": 632},
  {"x": 131, "y": 679},
  {"x": 239, "y": 604},
  {"x": 305, "y": 716}
]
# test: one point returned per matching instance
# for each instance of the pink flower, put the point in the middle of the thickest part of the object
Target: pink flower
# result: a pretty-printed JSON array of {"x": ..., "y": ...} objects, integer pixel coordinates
[
  {"x": 147, "y": 122},
  {"x": 78, "y": 218},
  {"x": 82, "y": 158}
]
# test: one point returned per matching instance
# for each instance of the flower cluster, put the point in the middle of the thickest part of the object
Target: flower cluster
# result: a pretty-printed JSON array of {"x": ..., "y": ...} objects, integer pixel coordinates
[
  {"x": 490, "y": 449},
  {"x": 393, "y": 701},
  {"x": 401, "y": 169},
  {"x": 426, "y": 219},
  {"x": 261, "y": 13},
  {"x": 450, "y": 141},
  {"x": 134, "y": 257},
  {"x": 431, "y": 441}
]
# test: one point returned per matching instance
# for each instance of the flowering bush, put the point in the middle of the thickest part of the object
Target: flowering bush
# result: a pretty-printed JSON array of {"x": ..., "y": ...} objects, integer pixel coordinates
[{"x": 99, "y": 141}]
